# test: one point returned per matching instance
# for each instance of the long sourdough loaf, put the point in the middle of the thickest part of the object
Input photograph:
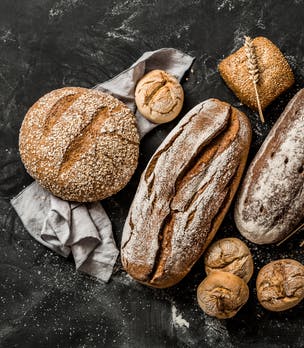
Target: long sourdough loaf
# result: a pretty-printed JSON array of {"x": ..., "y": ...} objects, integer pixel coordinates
[
  {"x": 184, "y": 193},
  {"x": 270, "y": 204}
]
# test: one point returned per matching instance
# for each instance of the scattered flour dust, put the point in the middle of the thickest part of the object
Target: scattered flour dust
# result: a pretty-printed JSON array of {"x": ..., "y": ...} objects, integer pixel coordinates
[
  {"x": 177, "y": 319},
  {"x": 62, "y": 6},
  {"x": 229, "y": 4}
]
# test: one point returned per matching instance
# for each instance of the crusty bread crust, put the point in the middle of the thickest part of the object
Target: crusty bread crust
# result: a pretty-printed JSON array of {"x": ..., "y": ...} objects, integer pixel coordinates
[
  {"x": 80, "y": 144},
  {"x": 270, "y": 203},
  {"x": 184, "y": 193},
  {"x": 275, "y": 74}
]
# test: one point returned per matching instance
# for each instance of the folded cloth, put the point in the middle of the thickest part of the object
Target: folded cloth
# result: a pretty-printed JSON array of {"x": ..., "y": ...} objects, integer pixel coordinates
[{"x": 84, "y": 229}]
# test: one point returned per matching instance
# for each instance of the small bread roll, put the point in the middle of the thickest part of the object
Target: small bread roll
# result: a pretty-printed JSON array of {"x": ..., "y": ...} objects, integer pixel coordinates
[
  {"x": 280, "y": 285},
  {"x": 222, "y": 294},
  {"x": 229, "y": 255},
  {"x": 159, "y": 96}
]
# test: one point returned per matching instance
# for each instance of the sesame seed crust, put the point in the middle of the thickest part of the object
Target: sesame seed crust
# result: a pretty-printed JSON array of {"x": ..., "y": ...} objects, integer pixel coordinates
[{"x": 80, "y": 144}]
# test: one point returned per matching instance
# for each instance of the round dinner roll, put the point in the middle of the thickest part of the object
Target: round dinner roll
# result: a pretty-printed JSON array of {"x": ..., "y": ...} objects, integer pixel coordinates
[
  {"x": 80, "y": 144},
  {"x": 159, "y": 96}
]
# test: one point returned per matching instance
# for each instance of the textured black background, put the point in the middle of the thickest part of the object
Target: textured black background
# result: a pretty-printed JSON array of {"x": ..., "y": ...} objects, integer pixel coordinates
[{"x": 47, "y": 44}]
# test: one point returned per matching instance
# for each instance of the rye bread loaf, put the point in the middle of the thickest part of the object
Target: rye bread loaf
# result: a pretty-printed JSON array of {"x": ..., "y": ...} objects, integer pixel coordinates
[
  {"x": 184, "y": 193},
  {"x": 270, "y": 203},
  {"x": 80, "y": 144}
]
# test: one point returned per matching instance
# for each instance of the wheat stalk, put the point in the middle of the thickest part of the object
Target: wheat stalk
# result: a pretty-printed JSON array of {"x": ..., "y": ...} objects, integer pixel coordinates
[
  {"x": 291, "y": 234},
  {"x": 253, "y": 70}
]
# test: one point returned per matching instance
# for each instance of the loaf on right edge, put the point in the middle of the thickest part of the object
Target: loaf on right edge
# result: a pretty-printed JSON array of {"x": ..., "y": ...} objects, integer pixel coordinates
[{"x": 270, "y": 203}]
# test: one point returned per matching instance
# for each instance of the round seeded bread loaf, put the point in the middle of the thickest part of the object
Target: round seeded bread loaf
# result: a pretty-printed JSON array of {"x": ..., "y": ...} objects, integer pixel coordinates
[{"x": 80, "y": 144}]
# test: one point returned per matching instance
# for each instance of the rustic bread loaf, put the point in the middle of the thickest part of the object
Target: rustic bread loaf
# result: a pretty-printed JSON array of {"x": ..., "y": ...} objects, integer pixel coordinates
[
  {"x": 275, "y": 73},
  {"x": 184, "y": 193},
  {"x": 80, "y": 144},
  {"x": 270, "y": 203},
  {"x": 159, "y": 96}
]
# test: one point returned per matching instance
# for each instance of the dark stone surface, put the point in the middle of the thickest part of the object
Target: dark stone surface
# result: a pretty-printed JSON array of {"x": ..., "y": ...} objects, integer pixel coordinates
[{"x": 47, "y": 44}]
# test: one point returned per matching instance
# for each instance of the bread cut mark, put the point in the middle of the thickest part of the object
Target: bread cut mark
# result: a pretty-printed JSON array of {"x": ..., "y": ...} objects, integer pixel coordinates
[
  {"x": 163, "y": 112},
  {"x": 131, "y": 225},
  {"x": 57, "y": 110},
  {"x": 149, "y": 97},
  {"x": 150, "y": 185},
  {"x": 119, "y": 135},
  {"x": 190, "y": 218},
  {"x": 156, "y": 156},
  {"x": 240, "y": 259},
  {"x": 205, "y": 155},
  {"x": 164, "y": 247},
  {"x": 86, "y": 137}
]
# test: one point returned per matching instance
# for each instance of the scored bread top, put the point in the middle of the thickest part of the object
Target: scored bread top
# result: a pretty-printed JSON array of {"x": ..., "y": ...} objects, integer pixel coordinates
[
  {"x": 184, "y": 193},
  {"x": 80, "y": 144}
]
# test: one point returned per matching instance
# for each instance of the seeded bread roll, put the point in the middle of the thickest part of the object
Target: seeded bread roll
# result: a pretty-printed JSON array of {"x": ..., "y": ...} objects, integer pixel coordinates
[
  {"x": 80, "y": 144},
  {"x": 159, "y": 97},
  {"x": 184, "y": 193},
  {"x": 270, "y": 203},
  {"x": 275, "y": 75}
]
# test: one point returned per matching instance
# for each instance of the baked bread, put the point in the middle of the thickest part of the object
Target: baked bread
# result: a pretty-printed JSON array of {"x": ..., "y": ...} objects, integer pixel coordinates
[
  {"x": 159, "y": 97},
  {"x": 80, "y": 144},
  {"x": 280, "y": 285},
  {"x": 275, "y": 74},
  {"x": 229, "y": 255},
  {"x": 270, "y": 203},
  {"x": 184, "y": 193},
  {"x": 222, "y": 294}
]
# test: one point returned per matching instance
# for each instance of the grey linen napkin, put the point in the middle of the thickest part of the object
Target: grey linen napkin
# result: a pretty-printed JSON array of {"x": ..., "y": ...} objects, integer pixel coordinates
[{"x": 84, "y": 229}]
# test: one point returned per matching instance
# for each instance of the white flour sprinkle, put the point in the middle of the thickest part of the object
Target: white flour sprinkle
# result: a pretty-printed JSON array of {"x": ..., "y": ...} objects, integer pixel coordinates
[{"x": 177, "y": 319}]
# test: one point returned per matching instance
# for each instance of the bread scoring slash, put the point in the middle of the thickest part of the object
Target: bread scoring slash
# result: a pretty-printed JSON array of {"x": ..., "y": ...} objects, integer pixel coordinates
[{"x": 184, "y": 193}]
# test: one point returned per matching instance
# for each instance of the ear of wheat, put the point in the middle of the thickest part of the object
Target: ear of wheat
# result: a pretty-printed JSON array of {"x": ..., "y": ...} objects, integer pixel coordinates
[
  {"x": 253, "y": 70},
  {"x": 291, "y": 234}
]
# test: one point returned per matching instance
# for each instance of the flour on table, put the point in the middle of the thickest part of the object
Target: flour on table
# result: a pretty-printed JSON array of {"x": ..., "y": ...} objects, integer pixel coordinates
[{"x": 177, "y": 319}]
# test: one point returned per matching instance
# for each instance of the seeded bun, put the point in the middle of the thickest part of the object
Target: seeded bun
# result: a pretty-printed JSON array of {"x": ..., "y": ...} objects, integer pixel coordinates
[
  {"x": 159, "y": 97},
  {"x": 80, "y": 144}
]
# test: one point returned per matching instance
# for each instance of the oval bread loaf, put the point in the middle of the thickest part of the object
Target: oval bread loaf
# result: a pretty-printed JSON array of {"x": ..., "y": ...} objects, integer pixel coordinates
[
  {"x": 80, "y": 144},
  {"x": 184, "y": 193},
  {"x": 270, "y": 204}
]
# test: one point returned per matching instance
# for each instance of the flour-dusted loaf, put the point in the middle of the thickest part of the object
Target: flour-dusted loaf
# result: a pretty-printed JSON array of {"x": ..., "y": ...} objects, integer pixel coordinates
[
  {"x": 184, "y": 193},
  {"x": 270, "y": 204},
  {"x": 80, "y": 144}
]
